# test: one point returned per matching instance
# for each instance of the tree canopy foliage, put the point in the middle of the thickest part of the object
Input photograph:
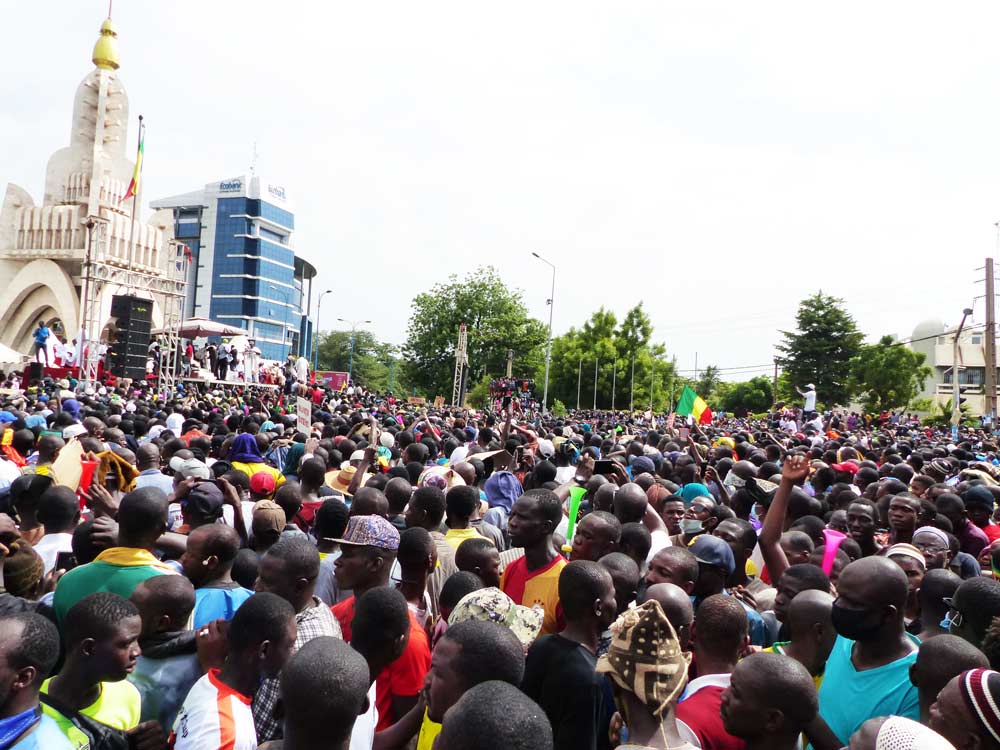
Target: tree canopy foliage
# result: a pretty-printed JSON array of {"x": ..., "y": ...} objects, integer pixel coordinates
[
  {"x": 496, "y": 320},
  {"x": 822, "y": 348},
  {"x": 604, "y": 349},
  {"x": 887, "y": 375}
]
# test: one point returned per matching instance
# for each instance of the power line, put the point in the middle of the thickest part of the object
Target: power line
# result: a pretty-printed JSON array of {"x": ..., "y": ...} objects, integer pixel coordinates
[{"x": 977, "y": 327}]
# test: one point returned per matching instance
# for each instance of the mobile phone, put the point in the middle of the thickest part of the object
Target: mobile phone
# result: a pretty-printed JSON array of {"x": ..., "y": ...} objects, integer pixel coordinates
[
  {"x": 65, "y": 561},
  {"x": 603, "y": 467}
]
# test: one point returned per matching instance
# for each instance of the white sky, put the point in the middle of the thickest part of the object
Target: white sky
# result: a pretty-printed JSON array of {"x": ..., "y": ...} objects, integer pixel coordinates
[{"x": 719, "y": 161}]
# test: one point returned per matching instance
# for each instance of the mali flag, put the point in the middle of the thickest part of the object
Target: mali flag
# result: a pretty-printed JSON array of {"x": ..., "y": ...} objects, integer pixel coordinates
[
  {"x": 693, "y": 404},
  {"x": 133, "y": 186}
]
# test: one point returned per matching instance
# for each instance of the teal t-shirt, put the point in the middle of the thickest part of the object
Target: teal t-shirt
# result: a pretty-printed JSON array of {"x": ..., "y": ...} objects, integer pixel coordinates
[{"x": 848, "y": 698}]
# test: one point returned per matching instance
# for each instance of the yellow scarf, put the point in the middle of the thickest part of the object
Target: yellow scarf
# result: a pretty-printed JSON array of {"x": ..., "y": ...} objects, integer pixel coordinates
[{"x": 132, "y": 557}]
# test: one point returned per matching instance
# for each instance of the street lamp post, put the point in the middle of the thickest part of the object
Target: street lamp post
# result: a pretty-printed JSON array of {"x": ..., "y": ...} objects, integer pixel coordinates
[
  {"x": 956, "y": 412},
  {"x": 319, "y": 303},
  {"x": 548, "y": 348},
  {"x": 354, "y": 328}
]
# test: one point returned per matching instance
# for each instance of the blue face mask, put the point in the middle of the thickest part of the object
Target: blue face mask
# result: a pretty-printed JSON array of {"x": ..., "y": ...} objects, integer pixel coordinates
[{"x": 945, "y": 624}]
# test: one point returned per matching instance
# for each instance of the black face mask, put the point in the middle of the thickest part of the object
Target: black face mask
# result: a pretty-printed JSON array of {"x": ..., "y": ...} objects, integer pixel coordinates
[{"x": 854, "y": 624}]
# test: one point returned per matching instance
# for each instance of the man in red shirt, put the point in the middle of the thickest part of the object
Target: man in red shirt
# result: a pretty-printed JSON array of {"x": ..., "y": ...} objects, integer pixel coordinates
[
  {"x": 720, "y": 635},
  {"x": 367, "y": 553},
  {"x": 533, "y": 580}
]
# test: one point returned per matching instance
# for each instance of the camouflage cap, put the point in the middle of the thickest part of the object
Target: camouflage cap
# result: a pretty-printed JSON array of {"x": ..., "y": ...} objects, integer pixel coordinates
[
  {"x": 493, "y": 605},
  {"x": 645, "y": 657}
]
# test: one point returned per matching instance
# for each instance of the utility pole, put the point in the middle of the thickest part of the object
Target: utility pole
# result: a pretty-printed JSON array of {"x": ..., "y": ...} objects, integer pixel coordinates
[
  {"x": 510, "y": 363},
  {"x": 579, "y": 380},
  {"x": 614, "y": 381},
  {"x": 596, "y": 363},
  {"x": 652, "y": 372},
  {"x": 990, "y": 352},
  {"x": 631, "y": 393},
  {"x": 696, "y": 367},
  {"x": 956, "y": 411},
  {"x": 774, "y": 387}
]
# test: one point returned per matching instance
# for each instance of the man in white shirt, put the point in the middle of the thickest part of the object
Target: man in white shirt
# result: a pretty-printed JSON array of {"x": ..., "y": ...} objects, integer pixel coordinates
[
  {"x": 809, "y": 394},
  {"x": 216, "y": 713},
  {"x": 59, "y": 512},
  {"x": 69, "y": 354}
]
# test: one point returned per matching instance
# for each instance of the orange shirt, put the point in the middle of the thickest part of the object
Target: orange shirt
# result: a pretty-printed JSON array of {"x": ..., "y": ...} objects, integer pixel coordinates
[{"x": 536, "y": 588}]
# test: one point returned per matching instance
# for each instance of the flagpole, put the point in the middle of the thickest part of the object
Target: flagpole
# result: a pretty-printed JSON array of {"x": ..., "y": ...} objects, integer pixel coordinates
[{"x": 135, "y": 198}]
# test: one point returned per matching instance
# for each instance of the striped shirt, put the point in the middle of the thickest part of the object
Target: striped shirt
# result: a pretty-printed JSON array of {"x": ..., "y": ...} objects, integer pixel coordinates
[{"x": 214, "y": 717}]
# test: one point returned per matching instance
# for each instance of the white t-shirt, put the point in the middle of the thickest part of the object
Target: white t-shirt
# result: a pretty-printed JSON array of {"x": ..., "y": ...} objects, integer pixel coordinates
[
  {"x": 660, "y": 540},
  {"x": 810, "y": 398},
  {"x": 51, "y": 545},
  {"x": 175, "y": 422},
  {"x": 363, "y": 734},
  {"x": 213, "y": 711}
]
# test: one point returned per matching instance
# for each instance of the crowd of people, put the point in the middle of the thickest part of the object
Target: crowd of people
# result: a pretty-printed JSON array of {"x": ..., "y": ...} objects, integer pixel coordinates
[{"x": 200, "y": 571}]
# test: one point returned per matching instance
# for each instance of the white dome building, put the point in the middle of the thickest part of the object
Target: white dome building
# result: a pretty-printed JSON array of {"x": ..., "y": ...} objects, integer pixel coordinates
[{"x": 43, "y": 248}]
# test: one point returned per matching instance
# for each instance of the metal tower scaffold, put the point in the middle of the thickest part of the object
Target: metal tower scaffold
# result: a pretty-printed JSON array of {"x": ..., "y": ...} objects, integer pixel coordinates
[
  {"x": 169, "y": 289},
  {"x": 461, "y": 362}
]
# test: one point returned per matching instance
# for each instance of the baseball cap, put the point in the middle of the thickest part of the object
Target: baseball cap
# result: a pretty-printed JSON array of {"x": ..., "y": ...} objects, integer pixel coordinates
[
  {"x": 205, "y": 500},
  {"x": 262, "y": 483},
  {"x": 267, "y": 516},
  {"x": 6, "y": 416},
  {"x": 546, "y": 448},
  {"x": 711, "y": 550},
  {"x": 493, "y": 605},
  {"x": 190, "y": 467},
  {"x": 848, "y": 467},
  {"x": 371, "y": 531},
  {"x": 74, "y": 430}
]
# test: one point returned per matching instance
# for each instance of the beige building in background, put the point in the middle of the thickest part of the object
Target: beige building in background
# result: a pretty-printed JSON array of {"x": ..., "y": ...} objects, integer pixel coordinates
[
  {"x": 935, "y": 341},
  {"x": 43, "y": 247}
]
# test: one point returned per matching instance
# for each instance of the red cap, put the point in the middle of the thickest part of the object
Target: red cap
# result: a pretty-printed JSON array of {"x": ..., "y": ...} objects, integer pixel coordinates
[
  {"x": 262, "y": 483},
  {"x": 848, "y": 466}
]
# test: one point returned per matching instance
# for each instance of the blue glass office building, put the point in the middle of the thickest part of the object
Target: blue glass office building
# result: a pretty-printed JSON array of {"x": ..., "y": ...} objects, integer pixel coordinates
[{"x": 245, "y": 271}]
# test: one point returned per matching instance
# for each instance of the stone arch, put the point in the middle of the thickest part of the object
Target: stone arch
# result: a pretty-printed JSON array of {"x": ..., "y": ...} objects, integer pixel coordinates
[{"x": 41, "y": 289}]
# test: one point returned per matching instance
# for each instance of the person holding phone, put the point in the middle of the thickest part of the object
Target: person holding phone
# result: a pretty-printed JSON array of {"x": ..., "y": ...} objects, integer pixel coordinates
[{"x": 59, "y": 513}]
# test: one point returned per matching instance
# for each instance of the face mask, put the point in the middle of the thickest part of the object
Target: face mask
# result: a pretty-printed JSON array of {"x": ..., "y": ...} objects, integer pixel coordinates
[
  {"x": 851, "y": 624},
  {"x": 691, "y": 525}
]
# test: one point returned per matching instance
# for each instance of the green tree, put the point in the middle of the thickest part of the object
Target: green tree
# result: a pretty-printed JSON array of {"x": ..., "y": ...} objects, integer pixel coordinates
[
  {"x": 887, "y": 375},
  {"x": 478, "y": 395},
  {"x": 754, "y": 395},
  {"x": 822, "y": 347},
  {"x": 377, "y": 364},
  {"x": 496, "y": 320},
  {"x": 604, "y": 349},
  {"x": 708, "y": 382}
]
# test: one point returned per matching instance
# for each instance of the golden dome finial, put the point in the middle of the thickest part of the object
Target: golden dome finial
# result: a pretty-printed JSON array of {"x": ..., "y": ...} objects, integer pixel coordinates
[{"x": 106, "y": 48}]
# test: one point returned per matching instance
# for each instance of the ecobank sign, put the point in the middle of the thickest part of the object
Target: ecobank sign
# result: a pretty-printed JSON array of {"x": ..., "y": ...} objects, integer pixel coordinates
[{"x": 231, "y": 186}]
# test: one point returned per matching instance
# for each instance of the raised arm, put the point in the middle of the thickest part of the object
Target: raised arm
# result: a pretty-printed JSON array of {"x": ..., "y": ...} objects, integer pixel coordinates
[{"x": 795, "y": 469}]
